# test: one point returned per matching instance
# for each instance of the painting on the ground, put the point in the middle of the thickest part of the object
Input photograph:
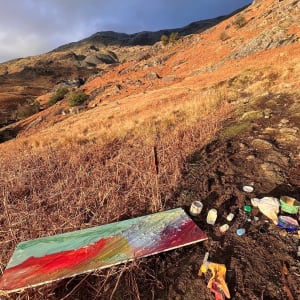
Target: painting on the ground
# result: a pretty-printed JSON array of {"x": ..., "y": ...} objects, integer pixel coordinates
[{"x": 46, "y": 259}]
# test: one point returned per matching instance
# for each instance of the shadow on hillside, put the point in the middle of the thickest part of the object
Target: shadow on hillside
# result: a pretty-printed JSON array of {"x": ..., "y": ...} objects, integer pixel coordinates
[{"x": 7, "y": 133}]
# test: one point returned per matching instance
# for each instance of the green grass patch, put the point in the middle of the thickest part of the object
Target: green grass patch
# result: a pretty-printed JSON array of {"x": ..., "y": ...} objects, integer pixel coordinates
[{"x": 237, "y": 129}]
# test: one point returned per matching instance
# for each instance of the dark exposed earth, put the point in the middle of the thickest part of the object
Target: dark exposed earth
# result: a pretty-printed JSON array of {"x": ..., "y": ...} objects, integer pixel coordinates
[
  {"x": 262, "y": 263},
  {"x": 261, "y": 150}
]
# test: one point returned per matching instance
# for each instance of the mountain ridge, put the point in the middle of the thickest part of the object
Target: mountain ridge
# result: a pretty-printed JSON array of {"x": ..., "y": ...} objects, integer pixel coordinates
[{"x": 143, "y": 38}]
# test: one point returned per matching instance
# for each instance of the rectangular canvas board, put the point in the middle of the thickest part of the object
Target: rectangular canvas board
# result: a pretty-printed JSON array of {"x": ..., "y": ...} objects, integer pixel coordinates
[{"x": 51, "y": 258}]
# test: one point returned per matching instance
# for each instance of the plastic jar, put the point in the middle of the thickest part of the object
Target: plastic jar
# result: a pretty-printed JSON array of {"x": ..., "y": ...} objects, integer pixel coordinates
[
  {"x": 212, "y": 216},
  {"x": 196, "y": 208}
]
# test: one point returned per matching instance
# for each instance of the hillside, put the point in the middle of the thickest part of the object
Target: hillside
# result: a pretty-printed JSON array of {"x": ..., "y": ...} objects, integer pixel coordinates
[
  {"x": 220, "y": 108},
  {"x": 22, "y": 80}
]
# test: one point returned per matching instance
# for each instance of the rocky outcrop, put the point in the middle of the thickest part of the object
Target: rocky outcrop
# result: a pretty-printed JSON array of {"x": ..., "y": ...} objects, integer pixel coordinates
[
  {"x": 268, "y": 39},
  {"x": 107, "y": 57}
]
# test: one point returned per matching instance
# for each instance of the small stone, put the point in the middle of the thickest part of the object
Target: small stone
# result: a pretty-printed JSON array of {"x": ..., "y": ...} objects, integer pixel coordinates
[
  {"x": 250, "y": 157},
  {"x": 286, "y": 138},
  {"x": 246, "y": 100},
  {"x": 277, "y": 158},
  {"x": 252, "y": 115},
  {"x": 291, "y": 131},
  {"x": 151, "y": 76},
  {"x": 284, "y": 121},
  {"x": 267, "y": 113},
  {"x": 272, "y": 172},
  {"x": 169, "y": 78},
  {"x": 271, "y": 103},
  {"x": 270, "y": 130},
  {"x": 260, "y": 144}
]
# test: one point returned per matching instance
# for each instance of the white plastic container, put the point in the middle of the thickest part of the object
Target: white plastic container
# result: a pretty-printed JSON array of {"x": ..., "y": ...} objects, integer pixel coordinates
[
  {"x": 196, "y": 208},
  {"x": 212, "y": 216},
  {"x": 248, "y": 188},
  {"x": 230, "y": 217},
  {"x": 241, "y": 231},
  {"x": 224, "y": 228}
]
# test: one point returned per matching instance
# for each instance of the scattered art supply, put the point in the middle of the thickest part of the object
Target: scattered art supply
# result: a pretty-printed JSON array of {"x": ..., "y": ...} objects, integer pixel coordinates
[
  {"x": 196, "y": 208},
  {"x": 241, "y": 231},
  {"x": 247, "y": 208},
  {"x": 212, "y": 216},
  {"x": 248, "y": 188},
  {"x": 218, "y": 277},
  {"x": 216, "y": 288},
  {"x": 224, "y": 228},
  {"x": 230, "y": 217},
  {"x": 47, "y": 259},
  {"x": 269, "y": 206},
  {"x": 289, "y": 204},
  {"x": 288, "y": 223}
]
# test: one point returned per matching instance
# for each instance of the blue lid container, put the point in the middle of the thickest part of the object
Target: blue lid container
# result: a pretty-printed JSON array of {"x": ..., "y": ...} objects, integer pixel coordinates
[{"x": 287, "y": 223}]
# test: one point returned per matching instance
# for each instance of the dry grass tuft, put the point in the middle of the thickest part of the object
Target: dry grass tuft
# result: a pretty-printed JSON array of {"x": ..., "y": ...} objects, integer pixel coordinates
[{"x": 50, "y": 190}]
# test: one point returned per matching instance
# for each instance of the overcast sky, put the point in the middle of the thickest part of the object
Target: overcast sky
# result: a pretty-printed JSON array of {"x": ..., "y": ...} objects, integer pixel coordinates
[{"x": 30, "y": 27}]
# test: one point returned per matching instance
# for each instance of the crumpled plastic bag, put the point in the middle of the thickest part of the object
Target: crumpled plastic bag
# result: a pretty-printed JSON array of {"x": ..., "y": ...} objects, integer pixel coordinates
[{"x": 269, "y": 206}]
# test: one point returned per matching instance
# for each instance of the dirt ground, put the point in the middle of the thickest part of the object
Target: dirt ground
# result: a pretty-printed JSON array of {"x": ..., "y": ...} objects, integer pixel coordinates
[
  {"x": 262, "y": 263},
  {"x": 254, "y": 261}
]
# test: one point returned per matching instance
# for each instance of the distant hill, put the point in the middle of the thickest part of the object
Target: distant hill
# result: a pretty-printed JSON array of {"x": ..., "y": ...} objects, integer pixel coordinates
[
  {"x": 24, "y": 79},
  {"x": 111, "y": 38}
]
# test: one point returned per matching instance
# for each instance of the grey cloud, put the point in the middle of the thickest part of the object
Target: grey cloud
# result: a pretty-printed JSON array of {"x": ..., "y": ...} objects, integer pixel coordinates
[{"x": 29, "y": 27}]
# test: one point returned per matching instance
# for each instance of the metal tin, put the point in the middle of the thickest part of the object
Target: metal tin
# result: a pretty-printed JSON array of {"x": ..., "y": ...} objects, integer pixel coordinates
[{"x": 196, "y": 208}]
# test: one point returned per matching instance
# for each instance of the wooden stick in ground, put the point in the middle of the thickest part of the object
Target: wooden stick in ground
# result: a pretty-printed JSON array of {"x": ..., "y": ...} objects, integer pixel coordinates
[{"x": 157, "y": 202}]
